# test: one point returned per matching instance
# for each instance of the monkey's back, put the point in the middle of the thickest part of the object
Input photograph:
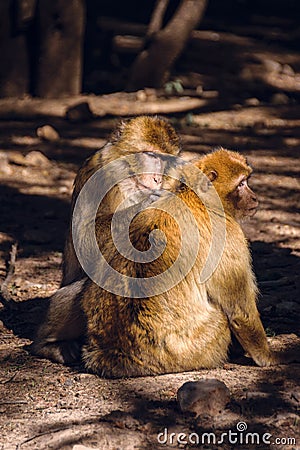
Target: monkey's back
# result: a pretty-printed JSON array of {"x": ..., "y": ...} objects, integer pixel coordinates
[{"x": 176, "y": 330}]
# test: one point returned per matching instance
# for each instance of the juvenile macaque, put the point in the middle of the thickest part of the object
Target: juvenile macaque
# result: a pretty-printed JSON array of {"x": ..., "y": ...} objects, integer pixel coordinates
[
  {"x": 149, "y": 138},
  {"x": 188, "y": 325}
]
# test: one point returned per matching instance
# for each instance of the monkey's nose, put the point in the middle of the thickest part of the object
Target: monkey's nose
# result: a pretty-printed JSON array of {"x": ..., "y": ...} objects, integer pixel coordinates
[{"x": 254, "y": 199}]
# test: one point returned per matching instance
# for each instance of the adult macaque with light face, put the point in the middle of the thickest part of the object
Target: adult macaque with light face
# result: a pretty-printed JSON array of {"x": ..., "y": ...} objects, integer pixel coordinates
[{"x": 148, "y": 138}]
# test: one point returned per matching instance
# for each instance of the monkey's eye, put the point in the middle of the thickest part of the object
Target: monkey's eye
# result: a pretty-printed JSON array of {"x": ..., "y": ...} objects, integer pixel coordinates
[{"x": 242, "y": 184}]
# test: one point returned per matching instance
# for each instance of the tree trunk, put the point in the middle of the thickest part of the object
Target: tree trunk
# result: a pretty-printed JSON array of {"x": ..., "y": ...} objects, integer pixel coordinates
[
  {"x": 61, "y": 33},
  {"x": 152, "y": 66},
  {"x": 156, "y": 21},
  {"x": 14, "y": 68}
]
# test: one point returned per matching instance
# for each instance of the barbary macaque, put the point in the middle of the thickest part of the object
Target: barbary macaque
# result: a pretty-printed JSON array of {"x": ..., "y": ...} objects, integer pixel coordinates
[
  {"x": 149, "y": 138},
  {"x": 181, "y": 322}
]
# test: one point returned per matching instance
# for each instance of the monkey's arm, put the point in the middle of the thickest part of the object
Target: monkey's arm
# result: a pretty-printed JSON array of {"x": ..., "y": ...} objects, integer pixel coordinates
[
  {"x": 233, "y": 288},
  {"x": 248, "y": 329},
  {"x": 246, "y": 325},
  {"x": 58, "y": 337}
]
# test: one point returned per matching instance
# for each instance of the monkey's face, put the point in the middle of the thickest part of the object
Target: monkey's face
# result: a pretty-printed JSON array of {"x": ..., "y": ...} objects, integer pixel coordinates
[
  {"x": 242, "y": 202},
  {"x": 229, "y": 173}
]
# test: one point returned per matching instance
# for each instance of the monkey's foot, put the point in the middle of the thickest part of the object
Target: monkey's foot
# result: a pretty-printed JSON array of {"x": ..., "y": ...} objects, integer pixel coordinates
[{"x": 63, "y": 352}]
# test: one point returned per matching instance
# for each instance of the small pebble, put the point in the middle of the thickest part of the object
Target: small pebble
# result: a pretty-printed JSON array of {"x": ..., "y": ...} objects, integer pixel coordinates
[
  {"x": 252, "y": 102},
  {"x": 47, "y": 133},
  {"x": 37, "y": 159},
  {"x": 205, "y": 397},
  {"x": 272, "y": 66},
  {"x": 280, "y": 99},
  {"x": 288, "y": 70}
]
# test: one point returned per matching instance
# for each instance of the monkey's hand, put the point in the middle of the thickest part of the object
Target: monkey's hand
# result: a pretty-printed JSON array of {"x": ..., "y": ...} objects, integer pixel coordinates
[
  {"x": 266, "y": 358},
  {"x": 286, "y": 348},
  {"x": 249, "y": 331},
  {"x": 283, "y": 351},
  {"x": 273, "y": 358}
]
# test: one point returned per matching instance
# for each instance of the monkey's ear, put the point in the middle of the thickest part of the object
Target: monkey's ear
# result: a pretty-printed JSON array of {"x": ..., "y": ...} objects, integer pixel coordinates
[
  {"x": 182, "y": 185},
  {"x": 212, "y": 175}
]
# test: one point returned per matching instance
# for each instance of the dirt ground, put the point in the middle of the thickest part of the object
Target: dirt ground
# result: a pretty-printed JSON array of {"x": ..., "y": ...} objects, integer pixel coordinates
[{"x": 48, "y": 406}]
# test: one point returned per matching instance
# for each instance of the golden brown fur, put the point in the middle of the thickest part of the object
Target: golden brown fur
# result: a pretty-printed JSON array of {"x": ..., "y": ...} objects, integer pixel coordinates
[{"x": 186, "y": 327}]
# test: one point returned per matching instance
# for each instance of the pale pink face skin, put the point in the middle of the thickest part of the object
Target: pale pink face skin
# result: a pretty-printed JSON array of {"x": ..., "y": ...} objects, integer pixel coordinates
[{"x": 151, "y": 180}]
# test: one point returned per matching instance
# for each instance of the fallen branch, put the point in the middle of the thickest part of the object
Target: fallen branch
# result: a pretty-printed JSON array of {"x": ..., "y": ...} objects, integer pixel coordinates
[
  {"x": 117, "y": 104},
  {"x": 5, "y": 295},
  {"x": 159, "y": 106},
  {"x": 9, "y": 379},
  {"x": 44, "y": 433},
  {"x": 14, "y": 402}
]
